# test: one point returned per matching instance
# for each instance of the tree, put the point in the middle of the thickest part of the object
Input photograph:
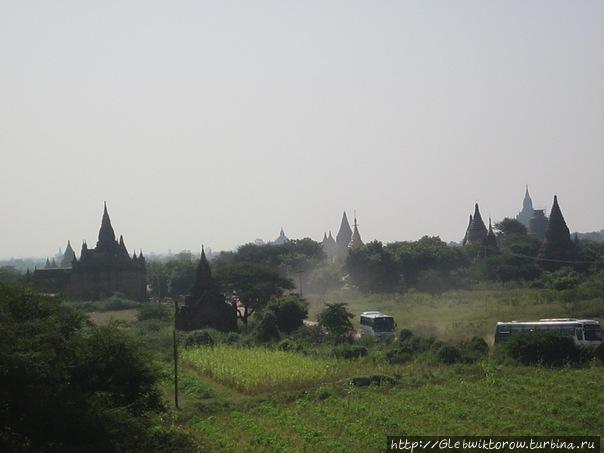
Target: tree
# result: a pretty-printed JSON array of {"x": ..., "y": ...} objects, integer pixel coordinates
[
  {"x": 412, "y": 258},
  {"x": 510, "y": 227},
  {"x": 335, "y": 318},
  {"x": 253, "y": 286},
  {"x": 290, "y": 312},
  {"x": 173, "y": 277},
  {"x": 372, "y": 268},
  {"x": 267, "y": 329},
  {"x": 9, "y": 274}
]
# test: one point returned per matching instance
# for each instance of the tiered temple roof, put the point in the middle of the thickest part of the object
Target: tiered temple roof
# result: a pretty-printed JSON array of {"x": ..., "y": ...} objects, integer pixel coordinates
[{"x": 477, "y": 231}]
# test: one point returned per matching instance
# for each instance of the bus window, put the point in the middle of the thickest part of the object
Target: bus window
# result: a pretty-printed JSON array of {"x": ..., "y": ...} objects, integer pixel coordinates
[
  {"x": 579, "y": 334},
  {"x": 592, "y": 332},
  {"x": 385, "y": 324}
]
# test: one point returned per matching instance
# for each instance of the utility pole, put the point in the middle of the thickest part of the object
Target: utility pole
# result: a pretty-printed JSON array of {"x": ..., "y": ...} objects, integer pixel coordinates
[{"x": 175, "y": 356}]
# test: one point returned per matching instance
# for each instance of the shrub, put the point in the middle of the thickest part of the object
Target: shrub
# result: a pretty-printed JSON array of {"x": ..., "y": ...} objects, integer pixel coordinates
[
  {"x": 153, "y": 311},
  {"x": 415, "y": 345},
  {"x": 233, "y": 338},
  {"x": 309, "y": 335},
  {"x": 290, "y": 311},
  {"x": 374, "y": 379},
  {"x": 335, "y": 318},
  {"x": 563, "y": 279},
  {"x": 404, "y": 335},
  {"x": 396, "y": 356},
  {"x": 288, "y": 345},
  {"x": 267, "y": 329},
  {"x": 478, "y": 345},
  {"x": 449, "y": 354},
  {"x": 199, "y": 338},
  {"x": 350, "y": 352},
  {"x": 542, "y": 347}
]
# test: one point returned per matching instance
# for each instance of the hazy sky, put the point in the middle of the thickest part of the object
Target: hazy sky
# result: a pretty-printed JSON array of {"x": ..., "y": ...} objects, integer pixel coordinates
[{"x": 219, "y": 122}]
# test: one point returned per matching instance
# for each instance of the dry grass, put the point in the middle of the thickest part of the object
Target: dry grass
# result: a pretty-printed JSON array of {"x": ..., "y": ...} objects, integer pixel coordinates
[
  {"x": 456, "y": 315},
  {"x": 104, "y": 317}
]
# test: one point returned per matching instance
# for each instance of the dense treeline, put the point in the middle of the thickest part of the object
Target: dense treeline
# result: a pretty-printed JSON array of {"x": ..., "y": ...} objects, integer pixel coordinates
[
  {"x": 431, "y": 265},
  {"x": 428, "y": 264}
]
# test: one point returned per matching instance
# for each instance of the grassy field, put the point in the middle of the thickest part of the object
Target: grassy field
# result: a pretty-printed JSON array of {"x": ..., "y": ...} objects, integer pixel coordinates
[
  {"x": 260, "y": 399},
  {"x": 456, "y": 315},
  {"x": 445, "y": 401},
  {"x": 104, "y": 317}
]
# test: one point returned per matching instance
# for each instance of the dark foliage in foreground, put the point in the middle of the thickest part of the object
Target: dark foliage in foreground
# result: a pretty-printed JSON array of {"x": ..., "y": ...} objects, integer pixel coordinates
[{"x": 69, "y": 386}]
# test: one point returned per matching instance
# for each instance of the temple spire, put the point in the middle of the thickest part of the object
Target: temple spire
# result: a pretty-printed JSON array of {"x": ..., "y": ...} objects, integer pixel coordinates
[
  {"x": 68, "y": 256},
  {"x": 203, "y": 280},
  {"x": 355, "y": 240},
  {"x": 558, "y": 246},
  {"x": 282, "y": 239},
  {"x": 344, "y": 233},
  {"x": 106, "y": 233},
  {"x": 527, "y": 212},
  {"x": 477, "y": 230}
]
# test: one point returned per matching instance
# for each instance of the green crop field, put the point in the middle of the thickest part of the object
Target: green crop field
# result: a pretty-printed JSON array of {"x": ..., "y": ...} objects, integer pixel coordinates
[
  {"x": 256, "y": 370},
  {"x": 444, "y": 401}
]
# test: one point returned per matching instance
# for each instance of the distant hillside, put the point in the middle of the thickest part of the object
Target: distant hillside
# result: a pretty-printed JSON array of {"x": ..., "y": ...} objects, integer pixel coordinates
[{"x": 593, "y": 236}]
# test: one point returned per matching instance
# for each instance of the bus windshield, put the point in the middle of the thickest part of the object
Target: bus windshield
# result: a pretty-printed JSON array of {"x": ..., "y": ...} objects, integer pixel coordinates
[
  {"x": 592, "y": 332},
  {"x": 385, "y": 324}
]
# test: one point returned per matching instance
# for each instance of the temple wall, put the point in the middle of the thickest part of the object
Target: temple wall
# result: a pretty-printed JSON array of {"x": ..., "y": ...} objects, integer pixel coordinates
[{"x": 91, "y": 285}]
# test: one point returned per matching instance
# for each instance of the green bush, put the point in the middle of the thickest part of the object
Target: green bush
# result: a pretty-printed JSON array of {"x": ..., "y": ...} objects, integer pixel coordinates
[
  {"x": 233, "y": 338},
  {"x": 478, "y": 345},
  {"x": 474, "y": 350},
  {"x": 416, "y": 345},
  {"x": 199, "y": 338},
  {"x": 542, "y": 348},
  {"x": 396, "y": 356},
  {"x": 350, "y": 352},
  {"x": 288, "y": 345},
  {"x": 309, "y": 335},
  {"x": 267, "y": 329},
  {"x": 565, "y": 278},
  {"x": 404, "y": 335},
  {"x": 449, "y": 354},
  {"x": 290, "y": 311},
  {"x": 374, "y": 379}
]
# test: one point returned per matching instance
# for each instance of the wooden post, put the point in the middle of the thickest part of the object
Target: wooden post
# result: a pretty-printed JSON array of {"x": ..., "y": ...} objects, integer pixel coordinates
[{"x": 175, "y": 356}]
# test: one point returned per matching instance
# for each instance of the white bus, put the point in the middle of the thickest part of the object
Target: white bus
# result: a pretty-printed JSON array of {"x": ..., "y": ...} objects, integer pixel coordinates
[
  {"x": 377, "y": 324},
  {"x": 582, "y": 331}
]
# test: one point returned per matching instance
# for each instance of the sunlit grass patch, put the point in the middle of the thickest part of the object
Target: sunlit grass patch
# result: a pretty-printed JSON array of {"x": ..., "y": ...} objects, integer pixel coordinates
[{"x": 258, "y": 370}]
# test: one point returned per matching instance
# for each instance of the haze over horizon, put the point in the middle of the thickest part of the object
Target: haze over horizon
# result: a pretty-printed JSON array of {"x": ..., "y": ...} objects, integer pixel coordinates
[{"x": 220, "y": 122}]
